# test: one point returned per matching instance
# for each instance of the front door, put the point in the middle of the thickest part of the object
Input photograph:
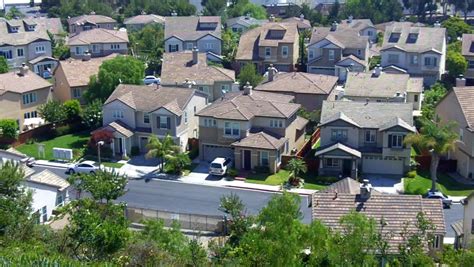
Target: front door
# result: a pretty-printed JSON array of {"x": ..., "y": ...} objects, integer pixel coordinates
[
  {"x": 347, "y": 167},
  {"x": 247, "y": 159},
  {"x": 118, "y": 146}
]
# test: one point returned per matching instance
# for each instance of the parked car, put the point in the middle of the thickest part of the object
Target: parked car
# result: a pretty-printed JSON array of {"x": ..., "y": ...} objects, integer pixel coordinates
[
  {"x": 438, "y": 195},
  {"x": 30, "y": 162},
  {"x": 150, "y": 79},
  {"x": 87, "y": 166},
  {"x": 220, "y": 166}
]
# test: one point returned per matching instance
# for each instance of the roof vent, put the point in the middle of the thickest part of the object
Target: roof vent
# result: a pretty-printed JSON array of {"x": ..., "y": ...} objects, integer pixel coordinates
[
  {"x": 247, "y": 89},
  {"x": 334, "y": 26},
  {"x": 437, "y": 24},
  {"x": 23, "y": 70},
  {"x": 365, "y": 189},
  {"x": 460, "y": 81}
]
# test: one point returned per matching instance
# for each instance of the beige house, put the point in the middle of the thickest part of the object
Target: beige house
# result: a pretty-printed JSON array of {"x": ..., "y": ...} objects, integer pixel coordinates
[
  {"x": 272, "y": 43},
  {"x": 72, "y": 76},
  {"x": 309, "y": 90},
  {"x": 468, "y": 53},
  {"x": 134, "y": 112},
  {"x": 464, "y": 229},
  {"x": 98, "y": 43},
  {"x": 365, "y": 27},
  {"x": 253, "y": 128},
  {"x": 21, "y": 93},
  {"x": 457, "y": 106},
  {"x": 364, "y": 137},
  {"x": 190, "y": 68},
  {"x": 89, "y": 22},
  {"x": 139, "y": 22}
]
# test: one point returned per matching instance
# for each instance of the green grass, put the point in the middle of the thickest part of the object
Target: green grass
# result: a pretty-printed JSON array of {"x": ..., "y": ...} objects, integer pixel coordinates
[
  {"x": 413, "y": 152},
  {"x": 317, "y": 144},
  {"x": 74, "y": 141},
  {"x": 280, "y": 178},
  {"x": 422, "y": 183},
  {"x": 112, "y": 164},
  {"x": 188, "y": 170}
]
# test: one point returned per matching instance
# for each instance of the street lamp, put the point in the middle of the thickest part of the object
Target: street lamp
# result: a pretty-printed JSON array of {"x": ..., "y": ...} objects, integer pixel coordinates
[{"x": 99, "y": 144}]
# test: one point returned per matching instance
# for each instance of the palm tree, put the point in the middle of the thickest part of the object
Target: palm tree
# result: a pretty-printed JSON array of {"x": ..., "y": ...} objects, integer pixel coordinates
[
  {"x": 296, "y": 166},
  {"x": 178, "y": 162},
  {"x": 160, "y": 149},
  {"x": 436, "y": 137}
]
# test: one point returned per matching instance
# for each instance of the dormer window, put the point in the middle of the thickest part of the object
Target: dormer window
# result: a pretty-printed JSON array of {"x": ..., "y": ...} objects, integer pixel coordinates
[
  {"x": 275, "y": 34},
  {"x": 412, "y": 37},
  {"x": 14, "y": 29},
  {"x": 31, "y": 28},
  {"x": 394, "y": 37}
]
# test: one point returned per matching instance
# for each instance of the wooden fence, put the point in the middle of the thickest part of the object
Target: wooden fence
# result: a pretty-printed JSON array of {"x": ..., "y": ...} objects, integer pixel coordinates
[
  {"x": 311, "y": 163},
  {"x": 445, "y": 165},
  {"x": 37, "y": 132}
]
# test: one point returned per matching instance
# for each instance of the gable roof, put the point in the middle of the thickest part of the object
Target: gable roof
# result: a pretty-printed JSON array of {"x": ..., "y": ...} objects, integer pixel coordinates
[
  {"x": 468, "y": 44},
  {"x": 144, "y": 19},
  {"x": 344, "y": 38},
  {"x": 301, "y": 22},
  {"x": 357, "y": 24},
  {"x": 338, "y": 146},
  {"x": 178, "y": 66},
  {"x": 387, "y": 85},
  {"x": 300, "y": 82},
  {"x": 12, "y": 82},
  {"x": 188, "y": 28},
  {"x": 117, "y": 126},
  {"x": 47, "y": 177},
  {"x": 99, "y": 36},
  {"x": 23, "y": 36},
  {"x": 239, "y": 106},
  {"x": 367, "y": 115},
  {"x": 246, "y": 21},
  {"x": 465, "y": 98},
  {"x": 346, "y": 185},
  {"x": 87, "y": 68},
  {"x": 92, "y": 18},
  {"x": 261, "y": 140}
]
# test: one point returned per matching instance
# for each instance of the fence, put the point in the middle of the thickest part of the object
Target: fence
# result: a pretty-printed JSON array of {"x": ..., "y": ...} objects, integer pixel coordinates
[
  {"x": 196, "y": 222},
  {"x": 445, "y": 165},
  {"x": 37, "y": 132},
  {"x": 311, "y": 163},
  {"x": 309, "y": 144}
]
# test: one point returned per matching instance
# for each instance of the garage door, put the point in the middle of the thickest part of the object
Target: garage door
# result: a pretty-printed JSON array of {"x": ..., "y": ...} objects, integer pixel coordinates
[
  {"x": 379, "y": 165},
  {"x": 210, "y": 152},
  {"x": 326, "y": 71}
]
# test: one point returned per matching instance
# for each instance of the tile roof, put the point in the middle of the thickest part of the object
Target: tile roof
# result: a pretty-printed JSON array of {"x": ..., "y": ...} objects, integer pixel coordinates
[
  {"x": 245, "y": 21},
  {"x": 188, "y": 28},
  {"x": 429, "y": 38},
  {"x": 47, "y": 177},
  {"x": 261, "y": 140},
  {"x": 387, "y": 85},
  {"x": 99, "y": 36},
  {"x": 300, "y": 122},
  {"x": 356, "y": 24},
  {"x": 53, "y": 25},
  {"x": 41, "y": 58},
  {"x": 396, "y": 121},
  {"x": 468, "y": 44},
  {"x": 23, "y": 36},
  {"x": 239, "y": 106},
  {"x": 92, "y": 18},
  {"x": 366, "y": 115},
  {"x": 346, "y": 185},
  {"x": 12, "y": 82},
  {"x": 338, "y": 146},
  {"x": 301, "y": 23},
  {"x": 458, "y": 228},
  {"x": 398, "y": 211},
  {"x": 144, "y": 19},
  {"x": 178, "y": 66},
  {"x": 88, "y": 68},
  {"x": 149, "y": 98},
  {"x": 465, "y": 97},
  {"x": 344, "y": 38},
  {"x": 118, "y": 126},
  {"x": 300, "y": 82},
  {"x": 252, "y": 39}
]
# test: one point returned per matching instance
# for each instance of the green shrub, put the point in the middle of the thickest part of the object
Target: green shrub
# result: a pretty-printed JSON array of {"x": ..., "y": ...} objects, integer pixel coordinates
[
  {"x": 261, "y": 169},
  {"x": 63, "y": 130},
  {"x": 8, "y": 128},
  {"x": 411, "y": 174},
  {"x": 193, "y": 153},
  {"x": 232, "y": 172},
  {"x": 326, "y": 180},
  {"x": 135, "y": 151},
  {"x": 73, "y": 110}
]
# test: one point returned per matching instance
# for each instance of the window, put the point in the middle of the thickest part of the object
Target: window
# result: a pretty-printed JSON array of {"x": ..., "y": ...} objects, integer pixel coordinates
[
  {"x": 472, "y": 226},
  {"x": 32, "y": 114},
  {"x": 415, "y": 98},
  {"x": 395, "y": 140},
  {"x": 59, "y": 200},
  {"x": 370, "y": 33},
  {"x": 209, "y": 45},
  {"x": 331, "y": 55},
  {"x": 311, "y": 53},
  {"x": 31, "y": 27},
  {"x": 29, "y": 98},
  {"x": 470, "y": 64},
  {"x": 263, "y": 158},
  {"x": 232, "y": 129},
  {"x": 287, "y": 146},
  {"x": 284, "y": 51},
  {"x": 115, "y": 46},
  {"x": 210, "y": 122},
  {"x": 392, "y": 58},
  {"x": 78, "y": 50},
  {"x": 437, "y": 241},
  {"x": 164, "y": 122},
  {"x": 225, "y": 88},
  {"x": 189, "y": 46},
  {"x": 332, "y": 163},
  {"x": 117, "y": 114},
  {"x": 412, "y": 37},
  {"x": 414, "y": 59},
  {"x": 339, "y": 135},
  {"x": 20, "y": 52},
  {"x": 370, "y": 136},
  {"x": 14, "y": 29},
  {"x": 146, "y": 118},
  {"x": 76, "y": 93},
  {"x": 359, "y": 52},
  {"x": 431, "y": 61},
  {"x": 461, "y": 135},
  {"x": 39, "y": 49},
  {"x": 276, "y": 123},
  {"x": 185, "y": 117},
  {"x": 268, "y": 51},
  {"x": 394, "y": 37},
  {"x": 6, "y": 54},
  {"x": 173, "y": 48},
  {"x": 43, "y": 214}
]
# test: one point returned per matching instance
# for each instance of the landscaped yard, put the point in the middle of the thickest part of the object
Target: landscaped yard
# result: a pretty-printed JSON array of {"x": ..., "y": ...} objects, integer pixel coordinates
[
  {"x": 112, "y": 164},
  {"x": 74, "y": 141},
  {"x": 189, "y": 169},
  {"x": 422, "y": 183},
  {"x": 280, "y": 178}
]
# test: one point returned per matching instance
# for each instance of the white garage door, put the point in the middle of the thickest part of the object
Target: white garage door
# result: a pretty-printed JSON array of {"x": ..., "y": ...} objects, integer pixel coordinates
[
  {"x": 381, "y": 165},
  {"x": 211, "y": 152}
]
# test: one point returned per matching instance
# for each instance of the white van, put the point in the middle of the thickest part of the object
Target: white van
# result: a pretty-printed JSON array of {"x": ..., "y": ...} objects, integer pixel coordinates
[{"x": 220, "y": 166}]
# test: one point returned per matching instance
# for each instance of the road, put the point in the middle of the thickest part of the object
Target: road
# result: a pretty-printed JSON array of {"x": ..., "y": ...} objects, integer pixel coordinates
[{"x": 189, "y": 198}]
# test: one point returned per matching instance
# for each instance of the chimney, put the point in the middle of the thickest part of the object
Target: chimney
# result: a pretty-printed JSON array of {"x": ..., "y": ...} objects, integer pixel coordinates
[
  {"x": 365, "y": 189},
  {"x": 377, "y": 71},
  {"x": 350, "y": 18},
  {"x": 271, "y": 73},
  {"x": 23, "y": 69},
  {"x": 247, "y": 16},
  {"x": 87, "y": 56},
  {"x": 188, "y": 83},
  {"x": 334, "y": 26},
  {"x": 247, "y": 89},
  {"x": 460, "y": 81},
  {"x": 271, "y": 18},
  {"x": 195, "y": 55},
  {"x": 437, "y": 24},
  {"x": 302, "y": 17}
]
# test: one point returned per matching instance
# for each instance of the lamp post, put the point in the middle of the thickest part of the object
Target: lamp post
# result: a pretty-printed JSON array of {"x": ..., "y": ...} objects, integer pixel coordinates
[{"x": 99, "y": 144}]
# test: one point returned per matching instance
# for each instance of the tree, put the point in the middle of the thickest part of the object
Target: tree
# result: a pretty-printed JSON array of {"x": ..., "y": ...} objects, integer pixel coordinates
[
  {"x": 436, "y": 137},
  {"x": 431, "y": 99},
  {"x": 102, "y": 185},
  {"x": 243, "y": 7},
  {"x": 455, "y": 28},
  {"x": 52, "y": 111},
  {"x": 377, "y": 10},
  {"x": 14, "y": 13},
  {"x": 213, "y": 7},
  {"x": 72, "y": 109},
  {"x": 148, "y": 45},
  {"x": 465, "y": 6},
  {"x": 177, "y": 163},
  {"x": 92, "y": 114},
  {"x": 296, "y": 166},
  {"x": 160, "y": 7},
  {"x": 249, "y": 74},
  {"x": 334, "y": 12},
  {"x": 161, "y": 149},
  {"x": 456, "y": 64},
  {"x": 121, "y": 69},
  {"x": 3, "y": 65},
  {"x": 8, "y": 128},
  {"x": 230, "y": 41}
]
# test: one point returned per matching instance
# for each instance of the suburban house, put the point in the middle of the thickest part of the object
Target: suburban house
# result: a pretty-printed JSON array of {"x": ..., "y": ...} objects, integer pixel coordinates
[
  {"x": 98, "y": 43},
  {"x": 418, "y": 51},
  {"x": 243, "y": 23},
  {"x": 302, "y": 23},
  {"x": 69, "y": 83},
  {"x": 399, "y": 213},
  {"x": 457, "y": 106},
  {"x": 364, "y": 137},
  {"x": 309, "y": 90},
  {"x": 186, "y": 33},
  {"x": 336, "y": 51},
  {"x": 23, "y": 41},
  {"x": 89, "y": 22},
  {"x": 139, "y": 22},
  {"x": 379, "y": 86},
  {"x": 274, "y": 43},
  {"x": 190, "y": 68},
  {"x": 21, "y": 93},
  {"x": 53, "y": 25},
  {"x": 134, "y": 112},
  {"x": 464, "y": 229},
  {"x": 365, "y": 27},
  {"x": 254, "y": 128},
  {"x": 468, "y": 53}
]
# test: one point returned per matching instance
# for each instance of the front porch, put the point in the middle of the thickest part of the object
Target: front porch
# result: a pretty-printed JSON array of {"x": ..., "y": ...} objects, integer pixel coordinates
[{"x": 338, "y": 160}]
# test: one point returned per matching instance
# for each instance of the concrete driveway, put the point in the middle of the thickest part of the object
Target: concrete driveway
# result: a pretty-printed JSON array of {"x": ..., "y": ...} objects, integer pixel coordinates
[{"x": 140, "y": 167}]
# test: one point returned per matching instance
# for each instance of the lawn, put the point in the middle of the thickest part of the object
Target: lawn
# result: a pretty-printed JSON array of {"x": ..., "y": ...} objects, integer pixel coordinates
[
  {"x": 74, "y": 141},
  {"x": 280, "y": 178},
  {"x": 112, "y": 164},
  {"x": 422, "y": 182},
  {"x": 317, "y": 144}
]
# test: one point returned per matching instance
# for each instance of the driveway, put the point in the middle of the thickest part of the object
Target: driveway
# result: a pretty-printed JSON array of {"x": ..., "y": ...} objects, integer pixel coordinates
[
  {"x": 140, "y": 167},
  {"x": 201, "y": 173}
]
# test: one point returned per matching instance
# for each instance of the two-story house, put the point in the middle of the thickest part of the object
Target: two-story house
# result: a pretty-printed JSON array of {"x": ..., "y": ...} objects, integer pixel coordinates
[
  {"x": 139, "y": 22},
  {"x": 243, "y": 23},
  {"x": 464, "y": 228},
  {"x": 134, "y": 112},
  {"x": 364, "y": 137},
  {"x": 253, "y": 128},
  {"x": 89, "y": 22},
  {"x": 98, "y": 43},
  {"x": 379, "y": 86},
  {"x": 190, "y": 68},
  {"x": 418, "y": 51},
  {"x": 24, "y": 41},
  {"x": 21, "y": 93},
  {"x": 365, "y": 27},
  {"x": 308, "y": 89},
  {"x": 186, "y": 33},
  {"x": 272, "y": 43},
  {"x": 468, "y": 53},
  {"x": 336, "y": 51},
  {"x": 457, "y": 106}
]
